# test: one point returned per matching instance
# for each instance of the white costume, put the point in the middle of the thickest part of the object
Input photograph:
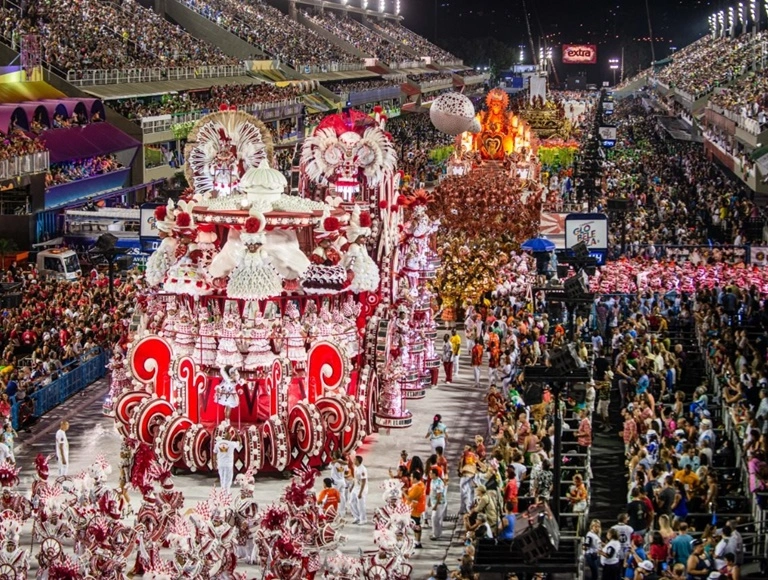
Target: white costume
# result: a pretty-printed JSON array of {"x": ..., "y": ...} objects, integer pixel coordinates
[
  {"x": 295, "y": 336},
  {"x": 254, "y": 277},
  {"x": 357, "y": 259},
  {"x": 260, "y": 353},
  {"x": 226, "y": 390},
  {"x": 62, "y": 451},
  {"x": 358, "y": 495},
  {"x": 225, "y": 458},
  {"x": 205, "y": 345},
  {"x": 228, "y": 353}
]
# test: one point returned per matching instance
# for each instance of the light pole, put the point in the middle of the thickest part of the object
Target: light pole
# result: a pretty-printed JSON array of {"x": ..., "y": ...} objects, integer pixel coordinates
[{"x": 614, "y": 64}]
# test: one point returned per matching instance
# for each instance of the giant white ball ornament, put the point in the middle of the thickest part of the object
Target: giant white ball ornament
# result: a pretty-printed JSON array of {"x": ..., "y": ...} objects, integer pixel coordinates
[{"x": 452, "y": 113}]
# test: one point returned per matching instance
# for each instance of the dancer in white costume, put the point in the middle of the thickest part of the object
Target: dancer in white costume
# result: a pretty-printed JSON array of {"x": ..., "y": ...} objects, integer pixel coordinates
[
  {"x": 230, "y": 334},
  {"x": 295, "y": 336},
  {"x": 165, "y": 255},
  {"x": 185, "y": 332},
  {"x": 254, "y": 277},
  {"x": 260, "y": 355},
  {"x": 357, "y": 259},
  {"x": 226, "y": 391},
  {"x": 205, "y": 346}
]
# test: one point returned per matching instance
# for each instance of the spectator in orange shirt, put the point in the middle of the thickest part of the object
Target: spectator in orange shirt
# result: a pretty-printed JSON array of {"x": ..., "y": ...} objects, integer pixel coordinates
[
  {"x": 416, "y": 498},
  {"x": 477, "y": 359},
  {"x": 329, "y": 497}
]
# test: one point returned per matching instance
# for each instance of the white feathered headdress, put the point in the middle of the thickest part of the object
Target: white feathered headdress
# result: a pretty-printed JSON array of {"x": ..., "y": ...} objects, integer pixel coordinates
[{"x": 335, "y": 156}]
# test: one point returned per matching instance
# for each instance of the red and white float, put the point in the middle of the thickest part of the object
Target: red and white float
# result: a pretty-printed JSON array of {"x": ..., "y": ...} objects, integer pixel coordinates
[{"x": 291, "y": 318}]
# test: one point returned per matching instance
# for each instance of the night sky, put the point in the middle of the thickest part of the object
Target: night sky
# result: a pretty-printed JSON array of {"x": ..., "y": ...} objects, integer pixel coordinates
[{"x": 610, "y": 24}]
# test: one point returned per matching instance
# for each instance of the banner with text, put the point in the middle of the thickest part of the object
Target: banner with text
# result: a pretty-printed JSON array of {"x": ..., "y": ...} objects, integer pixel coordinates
[{"x": 579, "y": 54}]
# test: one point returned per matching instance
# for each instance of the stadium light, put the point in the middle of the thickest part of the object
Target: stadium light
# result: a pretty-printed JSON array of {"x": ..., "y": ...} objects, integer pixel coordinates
[
  {"x": 364, "y": 4},
  {"x": 522, "y": 53},
  {"x": 721, "y": 20},
  {"x": 731, "y": 21},
  {"x": 382, "y": 5},
  {"x": 397, "y": 6},
  {"x": 753, "y": 11}
]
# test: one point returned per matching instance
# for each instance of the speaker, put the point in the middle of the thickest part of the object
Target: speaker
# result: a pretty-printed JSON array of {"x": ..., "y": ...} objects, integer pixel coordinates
[
  {"x": 537, "y": 534},
  {"x": 105, "y": 243},
  {"x": 533, "y": 394}
]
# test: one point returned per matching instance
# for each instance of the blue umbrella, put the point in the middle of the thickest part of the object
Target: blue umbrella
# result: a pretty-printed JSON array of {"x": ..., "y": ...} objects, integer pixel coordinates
[{"x": 540, "y": 244}]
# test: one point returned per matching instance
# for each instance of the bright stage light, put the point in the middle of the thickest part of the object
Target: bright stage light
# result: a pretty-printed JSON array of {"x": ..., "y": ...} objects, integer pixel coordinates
[
  {"x": 382, "y": 5},
  {"x": 397, "y": 6}
]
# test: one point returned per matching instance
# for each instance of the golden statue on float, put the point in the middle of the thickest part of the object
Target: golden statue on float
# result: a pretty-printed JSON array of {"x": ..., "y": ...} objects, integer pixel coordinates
[{"x": 500, "y": 130}]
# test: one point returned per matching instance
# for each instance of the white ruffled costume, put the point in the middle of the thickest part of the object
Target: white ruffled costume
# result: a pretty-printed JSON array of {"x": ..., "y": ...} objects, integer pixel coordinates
[
  {"x": 254, "y": 277},
  {"x": 165, "y": 255},
  {"x": 366, "y": 272},
  {"x": 226, "y": 390}
]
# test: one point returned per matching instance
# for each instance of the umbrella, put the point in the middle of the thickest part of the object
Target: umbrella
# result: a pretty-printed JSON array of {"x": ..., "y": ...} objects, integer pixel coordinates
[{"x": 540, "y": 244}]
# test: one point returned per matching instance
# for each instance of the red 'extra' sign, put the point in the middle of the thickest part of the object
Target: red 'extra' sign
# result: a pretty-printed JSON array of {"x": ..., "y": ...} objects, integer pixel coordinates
[{"x": 579, "y": 54}]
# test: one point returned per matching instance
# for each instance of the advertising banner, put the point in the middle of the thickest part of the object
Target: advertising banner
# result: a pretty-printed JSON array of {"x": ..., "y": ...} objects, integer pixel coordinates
[
  {"x": 579, "y": 54},
  {"x": 148, "y": 229},
  {"x": 590, "y": 228}
]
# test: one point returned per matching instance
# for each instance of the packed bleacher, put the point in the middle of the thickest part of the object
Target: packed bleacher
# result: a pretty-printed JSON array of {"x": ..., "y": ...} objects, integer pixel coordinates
[
  {"x": 55, "y": 326},
  {"x": 430, "y": 77},
  {"x": 416, "y": 138},
  {"x": 272, "y": 31},
  {"x": 708, "y": 64},
  {"x": 361, "y": 37},
  {"x": 65, "y": 172},
  {"x": 89, "y": 35},
  {"x": 359, "y": 86},
  {"x": 16, "y": 143},
  {"x": 210, "y": 99},
  {"x": 414, "y": 42},
  {"x": 748, "y": 98}
]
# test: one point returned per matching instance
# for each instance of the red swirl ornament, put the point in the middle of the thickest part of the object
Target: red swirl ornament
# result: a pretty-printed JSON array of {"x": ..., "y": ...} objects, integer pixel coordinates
[
  {"x": 275, "y": 439},
  {"x": 277, "y": 386},
  {"x": 124, "y": 410},
  {"x": 327, "y": 369},
  {"x": 334, "y": 414},
  {"x": 368, "y": 301},
  {"x": 253, "y": 456},
  {"x": 148, "y": 417},
  {"x": 194, "y": 383},
  {"x": 150, "y": 364},
  {"x": 170, "y": 440},
  {"x": 197, "y": 448}
]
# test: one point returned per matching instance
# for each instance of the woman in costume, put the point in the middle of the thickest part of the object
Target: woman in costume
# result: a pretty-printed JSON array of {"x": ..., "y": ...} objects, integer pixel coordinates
[
  {"x": 254, "y": 277},
  {"x": 226, "y": 391},
  {"x": 357, "y": 260}
]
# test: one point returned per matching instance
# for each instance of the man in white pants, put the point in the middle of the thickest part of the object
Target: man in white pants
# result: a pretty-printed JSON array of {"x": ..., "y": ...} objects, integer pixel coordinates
[
  {"x": 359, "y": 492},
  {"x": 437, "y": 503},
  {"x": 62, "y": 448},
  {"x": 225, "y": 458}
]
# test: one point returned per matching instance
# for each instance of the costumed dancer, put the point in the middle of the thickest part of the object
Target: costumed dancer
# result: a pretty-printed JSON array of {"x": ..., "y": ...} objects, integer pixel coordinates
[
  {"x": 225, "y": 449},
  {"x": 229, "y": 334},
  {"x": 295, "y": 336},
  {"x": 357, "y": 260},
  {"x": 205, "y": 345},
  {"x": 326, "y": 233},
  {"x": 254, "y": 277},
  {"x": 184, "y": 334},
  {"x": 260, "y": 355},
  {"x": 226, "y": 392},
  {"x": 165, "y": 255},
  {"x": 186, "y": 276}
]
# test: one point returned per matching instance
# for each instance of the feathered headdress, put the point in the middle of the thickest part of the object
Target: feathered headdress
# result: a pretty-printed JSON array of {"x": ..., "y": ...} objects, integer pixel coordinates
[{"x": 9, "y": 475}]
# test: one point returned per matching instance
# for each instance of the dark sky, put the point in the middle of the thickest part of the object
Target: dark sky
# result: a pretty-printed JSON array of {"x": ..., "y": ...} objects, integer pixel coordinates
[{"x": 610, "y": 24}]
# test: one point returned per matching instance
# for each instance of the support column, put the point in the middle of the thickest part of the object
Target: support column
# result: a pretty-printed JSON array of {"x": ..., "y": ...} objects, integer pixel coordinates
[{"x": 292, "y": 12}]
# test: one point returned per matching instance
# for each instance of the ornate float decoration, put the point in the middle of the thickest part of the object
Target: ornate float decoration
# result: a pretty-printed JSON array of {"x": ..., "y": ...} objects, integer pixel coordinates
[{"x": 270, "y": 313}]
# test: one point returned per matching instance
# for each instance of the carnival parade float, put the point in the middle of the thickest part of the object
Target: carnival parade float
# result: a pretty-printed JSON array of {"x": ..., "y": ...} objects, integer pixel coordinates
[{"x": 299, "y": 324}]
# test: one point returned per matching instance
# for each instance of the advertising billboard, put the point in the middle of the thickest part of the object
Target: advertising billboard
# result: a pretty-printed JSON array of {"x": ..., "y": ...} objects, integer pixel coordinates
[
  {"x": 590, "y": 228},
  {"x": 579, "y": 54}
]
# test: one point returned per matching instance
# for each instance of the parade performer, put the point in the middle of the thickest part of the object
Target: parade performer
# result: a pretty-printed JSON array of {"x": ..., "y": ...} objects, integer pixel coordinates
[
  {"x": 295, "y": 336},
  {"x": 226, "y": 391},
  {"x": 254, "y": 277},
  {"x": 165, "y": 255},
  {"x": 357, "y": 260},
  {"x": 326, "y": 233},
  {"x": 225, "y": 449},
  {"x": 229, "y": 335},
  {"x": 260, "y": 355}
]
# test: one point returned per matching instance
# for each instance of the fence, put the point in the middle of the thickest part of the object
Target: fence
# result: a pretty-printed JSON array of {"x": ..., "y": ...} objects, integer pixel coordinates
[
  {"x": 88, "y": 78},
  {"x": 24, "y": 165},
  {"x": 73, "y": 379}
]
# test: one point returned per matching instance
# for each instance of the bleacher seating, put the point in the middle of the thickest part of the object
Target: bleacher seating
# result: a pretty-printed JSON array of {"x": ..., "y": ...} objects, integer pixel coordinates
[{"x": 414, "y": 42}]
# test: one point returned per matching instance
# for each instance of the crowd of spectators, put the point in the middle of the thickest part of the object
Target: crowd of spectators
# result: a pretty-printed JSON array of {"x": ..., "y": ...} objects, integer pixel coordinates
[
  {"x": 416, "y": 138},
  {"x": 76, "y": 169},
  {"x": 708, "y": 63},
  {"x": 89, "y": 34},
  {"x": 415, "y": 43},
  {"x": 55, "y": 327},
  {"x": 16, "y": 144},
  {"x": 689, "y": 201},
  {"x": 748, "y": 97},
  {"x": 272, "y": 31},
  {"x": 208, "y": 99},
  {"x": 429, "y": 77},
  {"x": 361, "y": 37},
  {"x": 360, "y": 86}
]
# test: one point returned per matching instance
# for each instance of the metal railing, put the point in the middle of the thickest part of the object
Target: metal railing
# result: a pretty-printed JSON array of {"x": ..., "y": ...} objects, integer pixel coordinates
[
  {"x": 25, "y": 165},
  {"x": 264, "y": 111},
  {"x": 88, "y": 78},
  {"x": 72, "y": 379},
  {"x": 308, "y": 69}
]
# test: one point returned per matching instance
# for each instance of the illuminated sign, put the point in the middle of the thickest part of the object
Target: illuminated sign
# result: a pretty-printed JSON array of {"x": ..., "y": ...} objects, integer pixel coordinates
[{"x": 579, "y": 54}]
